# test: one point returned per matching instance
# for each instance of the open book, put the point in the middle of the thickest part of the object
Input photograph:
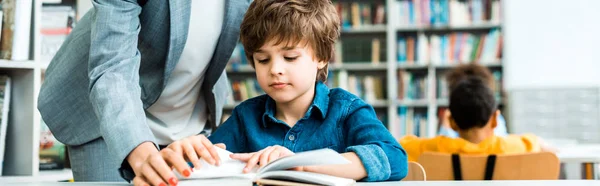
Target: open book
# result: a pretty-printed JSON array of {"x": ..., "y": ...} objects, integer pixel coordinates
[{"x": 276, "y": 172}]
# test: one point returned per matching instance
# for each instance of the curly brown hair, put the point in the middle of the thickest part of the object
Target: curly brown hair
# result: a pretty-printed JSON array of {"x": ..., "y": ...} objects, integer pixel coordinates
[
  {"x": 464, "y": 71},
  {"x": 292, "y": 21}
]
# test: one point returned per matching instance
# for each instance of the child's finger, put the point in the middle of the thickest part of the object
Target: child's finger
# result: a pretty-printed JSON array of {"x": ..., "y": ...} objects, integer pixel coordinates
[
  {"x": 221, "y": 145},
  {"x": 274, "y": 155},
  {"x": 241, "y": 156},
  {"x": 253, "y": 161},
  {"x": 264, "y": 157}
]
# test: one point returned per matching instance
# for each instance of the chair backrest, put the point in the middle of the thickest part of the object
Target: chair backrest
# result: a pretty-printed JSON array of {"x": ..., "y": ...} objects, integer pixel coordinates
[
  {"x": 527, "y": 166},
  {"x": 415, "y": 172}
]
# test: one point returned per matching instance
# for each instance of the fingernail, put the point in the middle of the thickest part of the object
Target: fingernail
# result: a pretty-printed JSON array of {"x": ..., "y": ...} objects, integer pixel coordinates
[
  {"x": 246, "y": 169},
  {"x": 186, "y": 173},
  {"x": 173, "y": 181},
  {"x": 162, "y": 184}
]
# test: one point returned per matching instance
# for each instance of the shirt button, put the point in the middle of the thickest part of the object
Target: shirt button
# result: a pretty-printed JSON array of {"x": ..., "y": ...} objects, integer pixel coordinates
[{"x": 291, "y": 137}]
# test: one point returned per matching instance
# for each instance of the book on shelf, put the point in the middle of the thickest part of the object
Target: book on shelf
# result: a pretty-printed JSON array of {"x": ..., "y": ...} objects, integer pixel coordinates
[
  {"x": 447, "y": 12},
  {"x": 56, "y": 25},
  {"x": 368, "y": 87},
  {"x": 277, "y": 171},
  {"x": 16, "y": 29},
  {"x": 52, "y": 152},
  {"x": 410, "y": 121},
  {"x": 451, "y": 48},
  {"x": 5, "y": 95},
  {"x": 245, "y": 89},
  {"x": 412, "y": 86},
  {"x": 354, "y": 15},
  {"x": 360, "y": 49},
  {"x": 443, "y": 91}
]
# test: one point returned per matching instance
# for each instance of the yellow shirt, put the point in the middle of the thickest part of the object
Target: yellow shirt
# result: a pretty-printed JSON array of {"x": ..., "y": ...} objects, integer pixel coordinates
[{"x": 414, "y": 146}]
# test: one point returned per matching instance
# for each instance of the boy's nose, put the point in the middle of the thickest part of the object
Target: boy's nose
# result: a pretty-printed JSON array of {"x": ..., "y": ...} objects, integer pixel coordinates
[{"x": 277, "y": 67}]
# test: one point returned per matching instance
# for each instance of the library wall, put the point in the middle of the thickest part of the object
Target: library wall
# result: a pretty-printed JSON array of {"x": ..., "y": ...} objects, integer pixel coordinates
[{"x": 551, "y": 44}]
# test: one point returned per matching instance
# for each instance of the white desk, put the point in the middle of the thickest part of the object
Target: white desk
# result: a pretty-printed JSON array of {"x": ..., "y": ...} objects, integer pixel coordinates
[
  {"x": 576, "y": 157},
  {"x": 580, "y": 153},
  {"x": 221, "y": 182}
]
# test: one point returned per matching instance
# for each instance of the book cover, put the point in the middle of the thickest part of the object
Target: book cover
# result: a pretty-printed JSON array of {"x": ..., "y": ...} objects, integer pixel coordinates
[{"x": 5, "y": 91}]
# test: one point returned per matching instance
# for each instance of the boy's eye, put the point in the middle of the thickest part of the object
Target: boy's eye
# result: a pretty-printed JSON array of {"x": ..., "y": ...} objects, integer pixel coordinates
[
  {"x": 263, "y": 60},
  {"x": 290, "y": 58}
]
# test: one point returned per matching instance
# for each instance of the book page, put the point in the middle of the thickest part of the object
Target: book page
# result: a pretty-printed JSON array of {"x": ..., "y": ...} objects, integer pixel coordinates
[
  {"x": 228, "y": 168},
  {"x": 308, "y": 158}
]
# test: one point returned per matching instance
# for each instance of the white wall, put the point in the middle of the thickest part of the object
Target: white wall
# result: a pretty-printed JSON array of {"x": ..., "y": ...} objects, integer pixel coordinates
[{"x": 551, "y": 43}]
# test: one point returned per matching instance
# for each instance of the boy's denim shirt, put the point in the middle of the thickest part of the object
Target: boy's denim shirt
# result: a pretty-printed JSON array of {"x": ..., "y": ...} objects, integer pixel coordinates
[{"x": 336, "y": 119}]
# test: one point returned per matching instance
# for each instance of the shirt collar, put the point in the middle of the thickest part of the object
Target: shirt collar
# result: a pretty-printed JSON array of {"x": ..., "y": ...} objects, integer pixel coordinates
[{"x": 320, "y": 102}]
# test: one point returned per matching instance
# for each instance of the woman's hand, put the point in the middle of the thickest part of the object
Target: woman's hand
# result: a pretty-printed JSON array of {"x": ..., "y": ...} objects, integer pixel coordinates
[
  {"x": 157, "y": 167},
  {"x": 263, "y": 157}
]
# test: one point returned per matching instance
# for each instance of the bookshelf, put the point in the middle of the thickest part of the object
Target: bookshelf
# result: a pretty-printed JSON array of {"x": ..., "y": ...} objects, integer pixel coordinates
[
  {"x": 23, "y": 134},
  {"x": 388, "y": 68}
]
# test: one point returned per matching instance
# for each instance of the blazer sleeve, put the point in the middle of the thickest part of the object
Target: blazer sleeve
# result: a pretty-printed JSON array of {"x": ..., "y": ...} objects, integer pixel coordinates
[{"x": 113, "y": 72}]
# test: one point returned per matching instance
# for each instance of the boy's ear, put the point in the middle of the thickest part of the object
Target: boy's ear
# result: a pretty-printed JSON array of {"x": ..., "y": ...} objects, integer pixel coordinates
[
  {"x": 321, "y": 64},
  {"x": 452, "y": 123},
  {"x": 494, "y": 119}
]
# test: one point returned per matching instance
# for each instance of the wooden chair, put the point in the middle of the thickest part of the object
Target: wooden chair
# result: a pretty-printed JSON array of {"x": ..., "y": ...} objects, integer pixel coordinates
[
  {"x": 528, "y": 166},
  {"x": 415, "y": 172}
]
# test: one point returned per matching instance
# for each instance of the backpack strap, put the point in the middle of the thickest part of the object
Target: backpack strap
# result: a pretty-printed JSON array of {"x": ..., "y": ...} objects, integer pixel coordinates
[
  {"x": 456, "y": 167},
  {"x": 489, "y": 167}
]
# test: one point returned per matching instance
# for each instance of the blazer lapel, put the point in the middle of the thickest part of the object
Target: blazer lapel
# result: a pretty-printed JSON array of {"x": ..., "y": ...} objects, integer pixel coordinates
[
  {"x": 234, "y": 13},
  {"x": 179, "y": 25}
]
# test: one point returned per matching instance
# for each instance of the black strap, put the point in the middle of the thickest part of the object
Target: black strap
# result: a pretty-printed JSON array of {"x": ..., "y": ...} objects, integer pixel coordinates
[
  {"x": 489, "y": 167},
  {"x": 456, "y": 167}
]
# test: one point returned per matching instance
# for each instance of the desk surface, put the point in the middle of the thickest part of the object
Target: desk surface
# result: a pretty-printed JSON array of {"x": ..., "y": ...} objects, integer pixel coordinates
[
  {"x": 580, "y": 153},
  {"x": 221, "y": 182}
]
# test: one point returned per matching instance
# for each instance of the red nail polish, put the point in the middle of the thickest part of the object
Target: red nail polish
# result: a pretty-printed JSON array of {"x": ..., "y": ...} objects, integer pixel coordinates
[
  {"x": 162, "y": 184},
  {"x": 186, "y": 173},
  {"x": 173, "y": 181}
]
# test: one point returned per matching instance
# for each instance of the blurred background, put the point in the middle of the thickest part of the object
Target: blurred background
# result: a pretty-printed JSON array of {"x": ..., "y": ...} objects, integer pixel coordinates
[{"x": 543, "y": 54}]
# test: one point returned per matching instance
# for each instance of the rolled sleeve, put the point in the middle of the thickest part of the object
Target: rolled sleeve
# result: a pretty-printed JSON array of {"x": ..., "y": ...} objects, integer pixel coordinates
[
  {"x": 375, "y": 161},
  {"x": 383, "y": 158}
]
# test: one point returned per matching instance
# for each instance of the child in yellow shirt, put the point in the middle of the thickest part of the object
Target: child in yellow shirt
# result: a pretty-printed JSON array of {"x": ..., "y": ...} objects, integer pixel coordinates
[{"x": 473, "y": 114}]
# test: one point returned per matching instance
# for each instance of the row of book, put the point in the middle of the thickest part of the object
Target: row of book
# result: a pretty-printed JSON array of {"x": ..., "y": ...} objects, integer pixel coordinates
[
  {"x": 447, "y": 12},
  {"x": 412, "y": 86},
  {"x": 368, "y": 87},
  {"x": 244, "y": 89},
  {"x": 360, "y": 14},
  {"x": 458, "y": 47},
  {"x": 360, "y": 49},
  {"x": 410, "y": 121}
]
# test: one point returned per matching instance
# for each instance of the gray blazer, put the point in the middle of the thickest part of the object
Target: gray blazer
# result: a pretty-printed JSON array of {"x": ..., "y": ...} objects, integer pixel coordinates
[{"x": 116, "y": 63}]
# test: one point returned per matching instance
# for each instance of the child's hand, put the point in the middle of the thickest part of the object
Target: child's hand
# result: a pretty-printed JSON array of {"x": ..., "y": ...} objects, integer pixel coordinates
[
  {"x": 264, "y": 156},
  {"x": 197, "y": 146}
]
